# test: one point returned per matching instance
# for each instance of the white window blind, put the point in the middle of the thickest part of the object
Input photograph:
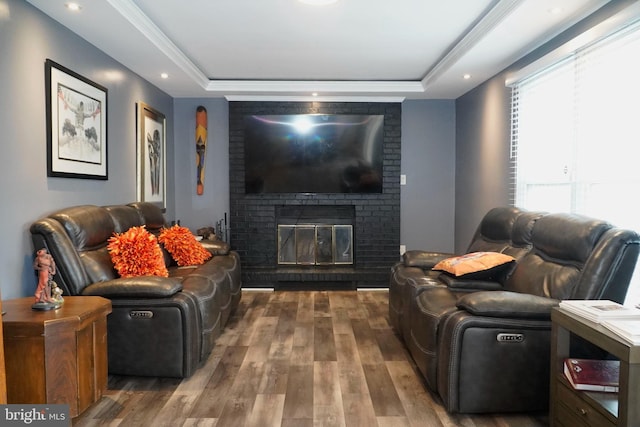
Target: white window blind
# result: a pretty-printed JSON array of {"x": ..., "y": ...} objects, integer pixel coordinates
[{"x": 575, "y": 140}]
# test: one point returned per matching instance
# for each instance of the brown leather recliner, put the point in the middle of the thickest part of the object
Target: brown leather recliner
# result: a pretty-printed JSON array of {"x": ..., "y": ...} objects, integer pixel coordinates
[
  {"x": 159, "y": 326},
  {"x": 485, "y": 347}
]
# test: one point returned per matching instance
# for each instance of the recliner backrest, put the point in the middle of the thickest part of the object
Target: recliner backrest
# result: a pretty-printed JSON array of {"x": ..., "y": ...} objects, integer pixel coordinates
[
  {"x": 124, "y": 217},
  {"x": 76, "y": 237},
  {"x": 567, "y": 259},
  {"x": 495, "y": 230},
  {"x": 151, "y": 215},
  {"x": 521, "y": 234}
]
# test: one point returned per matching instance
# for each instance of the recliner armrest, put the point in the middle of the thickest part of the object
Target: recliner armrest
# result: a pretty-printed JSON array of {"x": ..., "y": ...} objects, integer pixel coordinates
[
  {"x": 216, "y": 247},
  {"x": 135, "y": 287},
  {"x": 507, "y": 304},
  {"x": 458, "y": 284},
  {"x": 424, "y": 259}
]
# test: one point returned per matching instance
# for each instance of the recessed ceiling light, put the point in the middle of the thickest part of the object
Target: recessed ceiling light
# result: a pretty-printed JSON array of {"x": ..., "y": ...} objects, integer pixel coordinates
[
  {"x": 164, "y": 75},
  {"x": 73, "y": 6},
  {"x": 314, "y": 94},
  {"x": 466, "y": 76},
  {"x": 318, "y": 2},
  {"x": 556, "y": 10}
]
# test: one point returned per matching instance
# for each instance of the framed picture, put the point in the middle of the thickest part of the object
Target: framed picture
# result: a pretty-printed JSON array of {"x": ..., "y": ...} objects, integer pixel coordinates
[
  {"x": 151, "y": 176},
  {"x": 76, "y": 124}
]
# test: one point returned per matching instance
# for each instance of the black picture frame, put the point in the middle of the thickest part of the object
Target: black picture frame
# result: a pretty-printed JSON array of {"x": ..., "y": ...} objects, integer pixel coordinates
[
  {"x": 76, "y": 125},
  {"x": 151, "y": 182}
]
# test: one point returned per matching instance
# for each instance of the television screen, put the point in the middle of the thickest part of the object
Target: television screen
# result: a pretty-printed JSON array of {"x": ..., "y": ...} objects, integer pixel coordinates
[{"x": 313, "y": 153}]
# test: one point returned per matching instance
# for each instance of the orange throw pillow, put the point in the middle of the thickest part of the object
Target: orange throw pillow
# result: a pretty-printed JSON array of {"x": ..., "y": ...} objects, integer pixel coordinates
[
  {"x": 476, "y": 264},
  {"x": 136, "y": 252},
  {"x": 183, "y": 246}
]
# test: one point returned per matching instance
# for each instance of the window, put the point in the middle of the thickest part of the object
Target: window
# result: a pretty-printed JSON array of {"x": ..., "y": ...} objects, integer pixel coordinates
[{"x": 575, "y": 139}]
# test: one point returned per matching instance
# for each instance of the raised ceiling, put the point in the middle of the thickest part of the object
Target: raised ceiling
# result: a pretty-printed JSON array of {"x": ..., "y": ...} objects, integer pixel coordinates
[{"x": 285, "y": 49}]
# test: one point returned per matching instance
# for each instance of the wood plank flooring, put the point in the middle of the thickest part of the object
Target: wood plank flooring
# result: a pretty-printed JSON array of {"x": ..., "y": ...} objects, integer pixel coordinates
[{"x": 293, "y": 359}]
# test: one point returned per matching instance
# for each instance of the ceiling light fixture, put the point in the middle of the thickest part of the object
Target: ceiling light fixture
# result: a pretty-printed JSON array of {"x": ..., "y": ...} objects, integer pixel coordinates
[
  {"x": 75, "y": 7},
  {"x": 466, "y": 76},
  {"x": 164, "y": 75},
  {"x": 556, "y": 10},
  {"x": 318, "y": 2}
]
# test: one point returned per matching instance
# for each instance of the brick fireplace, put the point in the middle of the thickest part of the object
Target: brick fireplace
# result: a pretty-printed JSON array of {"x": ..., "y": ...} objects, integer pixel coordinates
[{"x": 264, "y": 226}]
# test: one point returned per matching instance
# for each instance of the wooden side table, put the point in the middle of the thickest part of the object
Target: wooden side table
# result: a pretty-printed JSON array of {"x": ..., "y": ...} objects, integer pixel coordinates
[
  {"x": 58, "y": 356},
  {"x": 570, "y": 407}
]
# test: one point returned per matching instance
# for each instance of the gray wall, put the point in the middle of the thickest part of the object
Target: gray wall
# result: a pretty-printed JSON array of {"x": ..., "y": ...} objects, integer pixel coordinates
[
  {"x": 482, "y": 156},
  {"x": 27, "y": 39},
  {"x": 428, "y": 159},
  {"x": 201, "y": 211}
]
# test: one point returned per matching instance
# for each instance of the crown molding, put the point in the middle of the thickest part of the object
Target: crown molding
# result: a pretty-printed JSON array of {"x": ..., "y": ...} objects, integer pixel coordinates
[
  {"x": 498, "y": 12},
  {"x": 132, "y": 13},
  {"x": 295, "y": 98},
  {"x": 328, "y": 87}
]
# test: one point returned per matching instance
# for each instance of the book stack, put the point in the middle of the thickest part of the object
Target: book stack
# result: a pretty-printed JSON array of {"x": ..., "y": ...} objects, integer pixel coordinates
[
  {"x": 621, "y": 320},
  {"x": 593, "y": 375},
  {"x": 598, "y": 311},
  {"x": 627, "y": 329}
]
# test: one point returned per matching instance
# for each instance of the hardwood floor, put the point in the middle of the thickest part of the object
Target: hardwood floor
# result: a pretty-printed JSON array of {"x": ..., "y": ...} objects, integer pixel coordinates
[{"x": 293, "y": 359}]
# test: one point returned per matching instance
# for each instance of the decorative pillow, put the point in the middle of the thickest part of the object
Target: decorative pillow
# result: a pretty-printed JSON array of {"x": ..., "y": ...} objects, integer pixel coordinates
[
  {"x": 476, "y": 265},
  {"x": 183, "y": 246},
  {"x": 136, "y": 252}
]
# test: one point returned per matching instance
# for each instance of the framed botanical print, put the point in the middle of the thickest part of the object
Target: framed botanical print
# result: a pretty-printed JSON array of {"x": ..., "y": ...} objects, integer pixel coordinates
[
  {"x": 152, "y": 158},
  {"x": 76, "y": 124}
]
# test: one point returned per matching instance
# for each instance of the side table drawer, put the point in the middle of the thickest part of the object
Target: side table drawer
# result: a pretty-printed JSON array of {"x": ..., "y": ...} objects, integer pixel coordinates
[{"x": 572, "y": 410}]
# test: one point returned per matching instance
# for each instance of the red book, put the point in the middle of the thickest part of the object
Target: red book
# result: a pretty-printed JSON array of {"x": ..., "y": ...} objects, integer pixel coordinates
[{"x": 593, "y": 375}]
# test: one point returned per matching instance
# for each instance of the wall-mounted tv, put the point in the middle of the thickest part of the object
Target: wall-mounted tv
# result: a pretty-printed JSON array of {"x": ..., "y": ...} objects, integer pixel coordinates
[{"x": 313, "y": 153}]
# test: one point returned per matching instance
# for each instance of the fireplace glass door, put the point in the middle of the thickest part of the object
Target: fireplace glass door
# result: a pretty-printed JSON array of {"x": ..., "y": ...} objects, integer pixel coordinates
[
  {"x": 305, "y": 244},
  {"x": 324, "y": 244},
  {"x": 315, "y": 244},
  {"x": 343, "y": 247}
]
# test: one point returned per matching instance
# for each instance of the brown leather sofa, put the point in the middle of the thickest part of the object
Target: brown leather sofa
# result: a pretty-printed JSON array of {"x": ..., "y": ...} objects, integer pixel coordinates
[
  {"x": 159, "y": 326},
  {"x": 484, "y": 345}
]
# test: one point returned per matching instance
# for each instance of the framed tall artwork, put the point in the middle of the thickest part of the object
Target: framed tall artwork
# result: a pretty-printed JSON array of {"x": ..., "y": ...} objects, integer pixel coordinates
[
  {"x": 76, "y": 124},
  {"x": 152, "y": 159}
]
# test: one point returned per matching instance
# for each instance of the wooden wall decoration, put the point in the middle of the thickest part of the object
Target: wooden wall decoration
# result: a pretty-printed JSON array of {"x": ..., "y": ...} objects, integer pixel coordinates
[{"x": 201, "y": 147}]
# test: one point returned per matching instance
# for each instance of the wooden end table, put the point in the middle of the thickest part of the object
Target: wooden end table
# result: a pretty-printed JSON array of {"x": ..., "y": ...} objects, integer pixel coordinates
[
  {"x": 57, "y": 356},
  {"x": 570, "y": 407}
]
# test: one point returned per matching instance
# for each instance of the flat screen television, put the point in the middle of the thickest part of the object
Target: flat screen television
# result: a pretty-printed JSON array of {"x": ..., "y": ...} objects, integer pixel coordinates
[{"x": 313, "y": 153}]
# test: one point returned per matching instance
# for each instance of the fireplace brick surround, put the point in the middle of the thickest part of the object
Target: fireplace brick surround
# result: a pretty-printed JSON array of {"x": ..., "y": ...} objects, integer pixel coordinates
[{"x": 376, "y": 217}]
